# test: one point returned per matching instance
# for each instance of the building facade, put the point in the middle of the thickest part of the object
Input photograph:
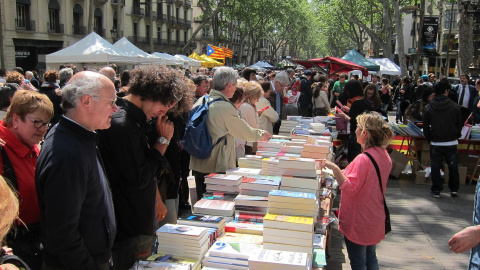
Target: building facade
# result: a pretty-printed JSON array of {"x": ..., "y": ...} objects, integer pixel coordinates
[{"x": 31, "y": 29}]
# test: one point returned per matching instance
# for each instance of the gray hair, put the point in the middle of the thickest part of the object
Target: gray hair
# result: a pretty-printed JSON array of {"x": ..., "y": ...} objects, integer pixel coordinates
[
  {"x": 222, "y": 76},
  {"x": 89, "y": 84},
  {"x": 290, "y": 70},
  {"x": 282, "y": 77},
  {"x": 65, "y": 74}
]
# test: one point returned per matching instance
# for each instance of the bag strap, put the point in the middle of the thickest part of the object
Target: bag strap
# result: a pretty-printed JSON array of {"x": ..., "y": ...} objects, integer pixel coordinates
[
  {"x": 8, "y": 171},
  {"x": 378, "y": 174},
  {"x": 208, "y": 104}
]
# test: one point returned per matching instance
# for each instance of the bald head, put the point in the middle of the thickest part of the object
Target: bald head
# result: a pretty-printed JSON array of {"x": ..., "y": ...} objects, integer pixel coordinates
[
  {"x": 108, "y": 72},
  {"x": 28, "y": 75}
]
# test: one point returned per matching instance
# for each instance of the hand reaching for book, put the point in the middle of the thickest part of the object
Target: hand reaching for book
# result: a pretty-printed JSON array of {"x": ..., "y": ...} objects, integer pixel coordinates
[{"x": 465, "y": 240}]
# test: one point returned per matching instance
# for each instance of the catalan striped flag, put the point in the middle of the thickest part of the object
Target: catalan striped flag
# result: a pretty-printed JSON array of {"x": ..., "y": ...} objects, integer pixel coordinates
[
  {"x": 215, "y": 52},
  {"x": 228, "y": 52}
]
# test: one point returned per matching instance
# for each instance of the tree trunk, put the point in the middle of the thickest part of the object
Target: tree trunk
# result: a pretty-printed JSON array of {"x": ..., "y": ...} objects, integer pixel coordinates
[
  {"x": 400, "y": 41},
  {"x": 387, "y": 44},
  {"x": 465, "y": 41}
]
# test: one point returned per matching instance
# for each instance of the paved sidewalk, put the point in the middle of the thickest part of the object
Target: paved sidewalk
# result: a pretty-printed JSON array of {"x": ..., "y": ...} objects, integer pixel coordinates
[{"x": 421, "y": 228}]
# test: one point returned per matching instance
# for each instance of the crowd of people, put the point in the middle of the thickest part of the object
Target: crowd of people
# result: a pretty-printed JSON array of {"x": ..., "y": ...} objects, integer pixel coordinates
[{"x": 112, "y": 167}]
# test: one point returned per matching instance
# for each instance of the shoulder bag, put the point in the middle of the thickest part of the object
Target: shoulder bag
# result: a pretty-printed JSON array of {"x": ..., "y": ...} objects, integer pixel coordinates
[{"x": 388, "y": 225}]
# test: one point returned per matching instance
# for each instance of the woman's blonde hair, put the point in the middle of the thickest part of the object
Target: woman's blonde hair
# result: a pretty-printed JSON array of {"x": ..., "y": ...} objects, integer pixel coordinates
[
  {"x": 253, "y": 90},
  {"x": 8, "y": 207},
  {"x": 379, "y": 133}
]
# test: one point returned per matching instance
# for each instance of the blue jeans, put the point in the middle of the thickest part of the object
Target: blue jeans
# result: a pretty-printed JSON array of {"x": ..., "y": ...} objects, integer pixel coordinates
[
  {"x": 437, "y": 153},
  {"x": 385, "y": 106},
  {"x": 361, "y": 257}
]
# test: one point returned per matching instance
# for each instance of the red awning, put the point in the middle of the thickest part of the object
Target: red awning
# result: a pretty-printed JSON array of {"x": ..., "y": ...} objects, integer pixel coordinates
[{"x": 334, "y": 65}]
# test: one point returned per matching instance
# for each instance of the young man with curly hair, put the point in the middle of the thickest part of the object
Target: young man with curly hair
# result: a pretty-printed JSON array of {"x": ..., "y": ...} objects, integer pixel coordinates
[{"x": 132, "y": 163}]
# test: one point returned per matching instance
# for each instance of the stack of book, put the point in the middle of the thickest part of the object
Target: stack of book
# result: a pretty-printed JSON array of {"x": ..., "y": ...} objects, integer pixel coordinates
[
  {"x": 283, "y": 202},
  {"x": 318, "y": 128},
  {"x": 270, "y": 166},
  {"x": 303, "y": 167},
  {"x": 287, "y": 126},
  {"x": 291, "y": 149},
  {"x": 241, "y": 238},
  {"x": 214, "y": 208},
  {"x": 297, "y": 141},
  {"x": 475, "y": 133},
  {"x": 315, "y": 151},
  {"x": 301, "y": 184},
  {"x": 248, "y": 227},
  {"x": 161, "y": 260},
  {"x": 267, "y": 259},
  {"x": 288, "y": 233},
  {"x": 223, "y": 182},
  {"x": 183, "y": 241},
  {"x": 250, "y": 161},
  {"x": 270, "y": 146},
  {"x": 259, "y": 185},
  {"x": 251, "y": 204},
  {"x": 243, "y": 171},
  {"x": 215, "y": 222},
  {"x": 227, "y": 255}
]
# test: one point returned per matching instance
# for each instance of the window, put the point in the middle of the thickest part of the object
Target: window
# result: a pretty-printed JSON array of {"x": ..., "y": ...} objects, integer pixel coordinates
[
  {"x": 160, "y": 9},
  {"x": 177, "y": 36},
  {"x": 77, "y": 19},
  {"x": 159, "y": 34},
  {"x": 450, "y": 16},
  {"x": 147, "y": 29},
  {"x": 147, "y": 8},
  {"x": 22, "y": 13},
  {"x": 115, "y": 21},
  {"x": 169, "y": 36},
  {"x": 185, "y": 34},
  {"x": 98, "y": 22},
  {"x": 53, "y": 16}
]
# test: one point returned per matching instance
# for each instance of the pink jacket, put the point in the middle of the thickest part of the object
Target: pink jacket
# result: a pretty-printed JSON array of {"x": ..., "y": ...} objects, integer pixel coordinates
[{"x": 362, "y": 215}]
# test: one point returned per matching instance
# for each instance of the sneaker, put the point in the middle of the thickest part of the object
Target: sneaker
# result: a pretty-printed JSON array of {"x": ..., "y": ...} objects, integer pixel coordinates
[
  {"x": 435, "y": 194},
  {"x": 453, "y": 193}
]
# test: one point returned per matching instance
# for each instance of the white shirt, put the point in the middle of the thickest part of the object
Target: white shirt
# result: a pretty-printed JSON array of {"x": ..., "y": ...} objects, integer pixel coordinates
[
  {"x": 466, "y": 96},
  {"x": 249, "y": 114},
  {"x": 268, "y": 117}
]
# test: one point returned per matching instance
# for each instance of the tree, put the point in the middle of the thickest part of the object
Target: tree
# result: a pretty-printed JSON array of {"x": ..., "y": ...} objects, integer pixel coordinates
[{"x": 465, "y": 40}]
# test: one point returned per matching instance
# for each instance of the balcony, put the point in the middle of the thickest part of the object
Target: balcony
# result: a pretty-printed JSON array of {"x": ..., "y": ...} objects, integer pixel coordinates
[
  {"x": 154, "y": 15},
  {"x": 162, "y": 18},
  {"x": 55, "y": 28},
  {"x": 198, "y": 19},
  {"x": 187, "y": 4},
  {"x": 170, "y": 1},
  {"x": 137, "y": 11},
  {"x": 179, "y": 3},
  {"x": 25, "y": 25},
  {"x": 180, "y": 21},
  {"x": 100, "y": 2},
  {"x": 132, "y": 39},
  {"x": 188, "y": 23},
  {"x": 147, "y": 13},
  {"x": 99, "y": 31},
  {"x": 114, "y": 2},
  {"x": 79, "y": 30}
]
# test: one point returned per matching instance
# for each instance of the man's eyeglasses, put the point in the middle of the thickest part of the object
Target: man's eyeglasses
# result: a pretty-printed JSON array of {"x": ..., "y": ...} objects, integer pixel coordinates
[
  {"x": 112, "y": 101},
  {"x": 39, "y": 124}
]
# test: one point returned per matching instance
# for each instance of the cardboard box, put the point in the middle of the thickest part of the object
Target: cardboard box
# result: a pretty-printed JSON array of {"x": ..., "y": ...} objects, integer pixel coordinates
[
  {"x": 462, "y": 174},
  {"x": 397, "y": 168},
  {"x": 399, "y": 157},
  {"x": 420, "y": 178}
]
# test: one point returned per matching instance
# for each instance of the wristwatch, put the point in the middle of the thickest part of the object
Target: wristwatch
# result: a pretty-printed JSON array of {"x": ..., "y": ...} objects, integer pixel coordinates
[{"x": 163, "y": 140}]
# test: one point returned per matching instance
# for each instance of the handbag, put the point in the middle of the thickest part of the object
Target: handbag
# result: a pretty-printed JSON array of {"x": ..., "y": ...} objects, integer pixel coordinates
[{"x": 388, "y": 225}]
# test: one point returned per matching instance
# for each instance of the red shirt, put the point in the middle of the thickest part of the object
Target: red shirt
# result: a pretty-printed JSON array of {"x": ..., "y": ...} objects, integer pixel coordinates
[
  {"x": 23, "y": 160},
  {"x": 362, "y": 216}
]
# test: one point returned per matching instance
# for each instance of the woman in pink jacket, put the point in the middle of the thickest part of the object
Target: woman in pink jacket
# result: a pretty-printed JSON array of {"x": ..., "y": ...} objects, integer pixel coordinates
[{"x": 362, "y": 215}]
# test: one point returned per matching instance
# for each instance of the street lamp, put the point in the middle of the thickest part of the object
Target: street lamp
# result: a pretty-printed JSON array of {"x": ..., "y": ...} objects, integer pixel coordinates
[{"x": 114, "y": 34}]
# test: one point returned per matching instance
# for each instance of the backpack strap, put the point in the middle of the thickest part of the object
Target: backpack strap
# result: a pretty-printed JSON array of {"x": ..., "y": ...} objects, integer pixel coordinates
[
  {"x": 8, "y": 171},
  {"x": 208, "y": 104}
]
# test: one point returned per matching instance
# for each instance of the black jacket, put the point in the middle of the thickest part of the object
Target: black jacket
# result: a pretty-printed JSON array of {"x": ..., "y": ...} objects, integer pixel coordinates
[
  {"x": 442, "y": 120},
  {"x": 77, "y": 217},
  {"x": 456, "y": 89},
  {"x": 132, "y": 166},
  {"x": 49, "y": 90},
  {"x": 305, "y": 99}
]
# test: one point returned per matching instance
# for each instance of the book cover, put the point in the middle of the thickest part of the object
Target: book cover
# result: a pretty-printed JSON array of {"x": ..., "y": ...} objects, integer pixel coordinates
[
  {"x": 241, "y": 238},
  {"x": 214, "y": 207},
  {"x": 319, "y": 258},
  {"x": 181, "y": 230},
  {"x": 202, "y": 221},
  {"x": 260, "y": 184},
  {"x": 299, "y": 172},
  {"x": 244, "y": 227},
  {"x": 234, "y": 250},
  {"x": 218, "y": 265},
  {"x": 291, "y": 196},
  {"x": 243, "y": 171},
  {"x": 249, "y": 217},
  {"x": 223, "y": 188},
  {"x": 247, "y": 200},
  {"x": 296, "y": 223},
  {"x": 161, "y": 266},
  {"x": 297, "y": 163},
  {"x": 281, "y": 259},
  {"x": 223, "y": 179},
  {"x": 258, "y": 209},
  {"x": 223, "y": 260}
]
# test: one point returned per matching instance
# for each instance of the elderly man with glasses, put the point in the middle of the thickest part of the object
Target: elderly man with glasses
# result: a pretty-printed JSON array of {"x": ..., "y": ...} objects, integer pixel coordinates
[{"x": 133, "y": 163}]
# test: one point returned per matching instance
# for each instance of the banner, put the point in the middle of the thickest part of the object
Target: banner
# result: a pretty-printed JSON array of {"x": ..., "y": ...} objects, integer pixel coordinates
[
  {"x": 430, "y": 30},
  {"x": 215, "y": 52}
]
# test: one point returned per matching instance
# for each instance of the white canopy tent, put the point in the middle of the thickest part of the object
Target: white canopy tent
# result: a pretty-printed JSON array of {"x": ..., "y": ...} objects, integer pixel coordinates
[
  {"x": 188, "y": 61},
  {"x": 92, "y": 49},
  {"x": 168, "y": 59},
  {"x": 387, "y": 66},
  {"x": 134, "y": 52}
]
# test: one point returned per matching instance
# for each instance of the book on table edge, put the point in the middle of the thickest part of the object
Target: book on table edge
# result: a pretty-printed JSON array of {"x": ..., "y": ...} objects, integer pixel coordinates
[
  {"x": 223, "y": 179},
  {"x": 161, "y": 266},
  {"x": 259, "y": 184},
  {"x": 291, "y": 196},
  {"x": 313, "y": 206},
  {"x": 299, "y": 172},
  {"x": 280, "y": 232},
  {"x": 218, "y": 265},
  {"x": 258, "y": 209},
  {"x": 319, "y": 258},
  {"x": 202, "y": 221},
  {"x": 223, "y": 260},
  {"x": 308, "y": 190},
  {"x": 288, "y": 247},
  {"x": 284, "y": 240},
  {"x": 318, "y": 240},
  {"x": 233, "y": 250},
  {"x": 241, "y": 238},
  {"x": 252, "y": 192},
  {"x": 174, "y": 259},
  {"x": 243, "y": 171},
  {"x": 244, "y": 227},
  {"x": 267, "y": 258},
  {"x": 297, "y": 212},
  {"x": 214, "y": 207},
  {"x": 184, "y": 231},
  {"x": 297, "y": 163},
  {"x": 296, "y": 223},
  {"x": 249, "y": 217},
  {"x": 223, "y": 188}
]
